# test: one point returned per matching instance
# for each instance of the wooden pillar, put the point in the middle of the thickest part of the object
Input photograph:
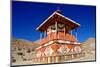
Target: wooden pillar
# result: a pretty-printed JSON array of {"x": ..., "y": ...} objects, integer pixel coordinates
[
  {"x": 56, "y": 29},
  {"x": 43, "y": 59},
  {"x": 71, "y": 32},
  {"x": 76, "y": 34},
  {"x": 49, "y": 59},
  {"x": 46, "y": 60},
  {"x": 45, "y": 33},
  {"x": 72, "y": 56},
  {"x": 40, "y": 36},
  {"x": 64, "y": 32},
  {"x": 40, "y": 59},
  {"x": 57, "y": 59},
  {"x": 65, "y": 57},
  {"x": 36, "y": 60},
  {"x": 53, "y": 59}
]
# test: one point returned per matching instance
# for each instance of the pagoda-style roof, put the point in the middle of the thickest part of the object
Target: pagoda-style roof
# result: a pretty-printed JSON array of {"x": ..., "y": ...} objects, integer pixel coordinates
[{"x": 59, "y": 18}]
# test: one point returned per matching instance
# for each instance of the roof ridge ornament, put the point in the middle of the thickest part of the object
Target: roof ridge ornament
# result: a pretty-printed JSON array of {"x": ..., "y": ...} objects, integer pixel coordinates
[{"x": 58, "y": 10}]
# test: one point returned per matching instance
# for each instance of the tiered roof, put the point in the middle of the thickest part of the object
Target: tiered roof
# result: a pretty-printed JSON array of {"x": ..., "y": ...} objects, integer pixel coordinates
[{"x": 57, "y": 16}]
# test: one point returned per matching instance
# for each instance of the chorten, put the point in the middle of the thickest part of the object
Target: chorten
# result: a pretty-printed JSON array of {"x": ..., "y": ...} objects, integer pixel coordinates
[{"x": 58, "y": 39}]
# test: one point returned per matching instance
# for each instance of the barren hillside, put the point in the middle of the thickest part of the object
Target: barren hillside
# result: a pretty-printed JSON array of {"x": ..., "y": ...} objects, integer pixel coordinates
[{"x": 23, "y": 51}]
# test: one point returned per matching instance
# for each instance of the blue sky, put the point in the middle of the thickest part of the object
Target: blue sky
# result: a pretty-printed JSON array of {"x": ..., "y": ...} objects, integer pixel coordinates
[{"x": 27, "y": 16}]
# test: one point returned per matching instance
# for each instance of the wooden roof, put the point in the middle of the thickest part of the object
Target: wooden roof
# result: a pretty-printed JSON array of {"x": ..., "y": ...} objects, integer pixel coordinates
[{"x": 59, "y": 18}]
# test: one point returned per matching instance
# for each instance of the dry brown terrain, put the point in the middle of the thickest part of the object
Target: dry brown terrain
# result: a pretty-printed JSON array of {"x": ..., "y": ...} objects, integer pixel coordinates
[
  {"x": 22, "y": 51},
  {"x": 88, "y": 48}
]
